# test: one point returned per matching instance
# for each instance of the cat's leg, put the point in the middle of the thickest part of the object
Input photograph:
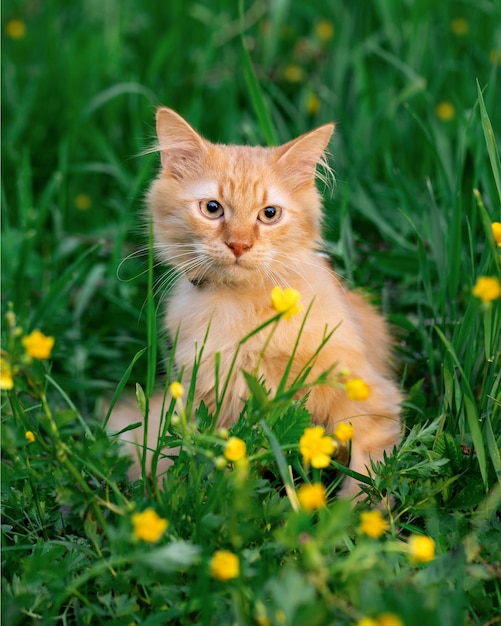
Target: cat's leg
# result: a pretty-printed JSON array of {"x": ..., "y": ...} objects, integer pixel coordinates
[{"x": 376, "y": 423}]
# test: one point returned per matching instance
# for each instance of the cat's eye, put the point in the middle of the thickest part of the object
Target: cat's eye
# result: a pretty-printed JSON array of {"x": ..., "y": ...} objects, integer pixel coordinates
[
  {"x": 270, "y": 214},
  {"x": 211, "y": 209}
]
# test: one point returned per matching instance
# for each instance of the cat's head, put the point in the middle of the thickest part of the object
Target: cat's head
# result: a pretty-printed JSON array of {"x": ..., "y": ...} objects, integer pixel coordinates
[{"x": 234, "y": 214}]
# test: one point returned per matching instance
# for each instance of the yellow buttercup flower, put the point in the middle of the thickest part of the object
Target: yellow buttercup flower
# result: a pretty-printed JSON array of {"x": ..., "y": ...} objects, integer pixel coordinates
[
  {"x": 316, "y": 447},
  {"x": 15, "y": 29},
  {"x": 29, "y": 436},
  {"x": 224, "y": 565},
  {"x": 421, "y": 549},
  {"x": 496, "y": 232},
  {"x": 373, "y": 524},
  {"x": 312, "y": 103},
  {"x": 324, "y": 30},
  {"x": 460, "y": 26},
  {"x": 83, "y": 202},
  {"x": 6, "y": 379},
  {"x": 357, "y": 389},
  {"x": 312, "y": 497},
  {"x": 293, "y": 73},
  {"x": 385, "y": 619},
  {"x": 38, "y": 345},
  {"x": 176, "y": 390},
  {"x": 445, "y": 111},
  {"x": 344, "y": 432},
  {"x": 148, "y": 525},
  {"x": 286, "y": 301},
  {"x": 487, "y": 288},
  {"x": 234, "y": 449}
]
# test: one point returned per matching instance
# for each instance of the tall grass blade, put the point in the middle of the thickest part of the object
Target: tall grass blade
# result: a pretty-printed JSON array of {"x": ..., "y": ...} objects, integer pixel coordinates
[
  {"x": 471, "y": 410},
  {"x": 490, "y": 141}
]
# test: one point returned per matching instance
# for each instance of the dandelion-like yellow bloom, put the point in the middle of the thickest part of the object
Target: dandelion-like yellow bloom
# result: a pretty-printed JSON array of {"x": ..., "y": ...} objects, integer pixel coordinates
[
  {"x": 286, "y": 301},
  {"x": 373, "y": 524},
  {"x": 460, "y": 26},
  {"x": 148, "y": 525},
  {"x": 224, "y": 565},
  {"x": 38, "y": 345},
  {"x": 312, "y": 103},
  {"x": 344, "y": 432},
  {"x": 234, "y": 449},
  {"x": 29, "y": 435},
  {"x": 176, "y": 390},
  {"x": 6, "y": 379},
  {"x": 324, "y": 30},
  {"x": 445, "y": 111},
  {"x": 83, "y": 202},
  {"x": 357, "y": 389},
  {"x": 421, "y": 549},
  {"x": 15, "y": 29},
  {"x": 316, "y": 447},
  {"x": 487, "y": 288},
  {"x": 496, "y": 232},
  {"x": 293, "y": 73},
  {"x": 312, "y": 497}
]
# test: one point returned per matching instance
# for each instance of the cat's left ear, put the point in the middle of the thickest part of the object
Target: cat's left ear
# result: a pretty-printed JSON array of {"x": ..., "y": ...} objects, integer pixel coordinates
[{"x": 299, "y": 158}]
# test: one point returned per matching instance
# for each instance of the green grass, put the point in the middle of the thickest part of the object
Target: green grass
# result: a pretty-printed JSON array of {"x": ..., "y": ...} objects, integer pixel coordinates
[{"x": 404, "y": 222}]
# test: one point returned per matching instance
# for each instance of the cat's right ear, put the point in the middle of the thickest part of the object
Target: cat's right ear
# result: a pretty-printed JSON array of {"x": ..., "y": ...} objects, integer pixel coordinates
[{"x": 182, "y": 149}]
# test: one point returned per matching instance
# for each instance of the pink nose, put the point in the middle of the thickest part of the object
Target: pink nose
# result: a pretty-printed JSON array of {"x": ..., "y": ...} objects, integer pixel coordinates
[{"x": 238, "y": 247}]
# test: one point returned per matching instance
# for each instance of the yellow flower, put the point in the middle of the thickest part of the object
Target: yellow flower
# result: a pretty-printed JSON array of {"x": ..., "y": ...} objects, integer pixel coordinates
[
  {"x": 389, "y": 619},
  {"x": 29, "y": 436},
  {"x": 312, "y": 497},
  {"x": 293, "y": 73},
  {"x": 38, "y": 345},
  {"x": 6, "y": 380},
  {"x": 176, "y": 390},
  {"x": 373, "y": 524},
  {"x": 286, "y": 301},
  {"x": 459, "y": 26},
  {"x": 385, "y": 619},
  {"x": 316, "y": 447},
  {"x": 148, "y": 526},
  {"x": 344, "y": 432},
  {"x": 83, "y": 202},
  {"x": 487, "y": 288},
  {"x": 312, "y": 103},
  {"x": 324, "y": 30},
  {"x": 496, "y": 232},
  {"x": 421, "y": 549},
  {"x": 445, "y": 111},
  {"x": 357, "y": 389},
  {"x": 15, "y": 29},
  {"x": 224, "y": 565},
  {"x": 234, "y": 449}
]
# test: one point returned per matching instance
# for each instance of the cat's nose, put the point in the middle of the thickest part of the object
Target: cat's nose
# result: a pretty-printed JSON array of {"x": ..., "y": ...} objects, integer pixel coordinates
[{"x": 238, "y": 247}]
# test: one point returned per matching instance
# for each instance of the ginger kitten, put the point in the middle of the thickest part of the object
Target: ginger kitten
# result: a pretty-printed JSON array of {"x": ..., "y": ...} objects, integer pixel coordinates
[{"x": 235, "y": 221}]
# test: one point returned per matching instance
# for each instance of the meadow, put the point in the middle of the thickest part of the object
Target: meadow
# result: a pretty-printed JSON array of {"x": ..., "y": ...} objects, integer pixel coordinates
[{"x": 230, "y": 535}]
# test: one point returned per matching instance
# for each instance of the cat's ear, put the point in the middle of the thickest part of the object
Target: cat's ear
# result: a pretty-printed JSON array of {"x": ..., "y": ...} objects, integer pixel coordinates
[
  {"x": 182, "y": 149},
  {"x": 299, "y": 158}
]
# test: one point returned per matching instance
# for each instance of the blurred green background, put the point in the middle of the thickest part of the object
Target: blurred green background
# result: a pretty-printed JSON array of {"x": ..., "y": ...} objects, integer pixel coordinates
[{"x": 80, "y": 83}]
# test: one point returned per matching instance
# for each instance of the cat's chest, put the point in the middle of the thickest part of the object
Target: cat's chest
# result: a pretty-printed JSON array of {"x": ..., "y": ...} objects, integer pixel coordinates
[{"x": 225, "y": 317}]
